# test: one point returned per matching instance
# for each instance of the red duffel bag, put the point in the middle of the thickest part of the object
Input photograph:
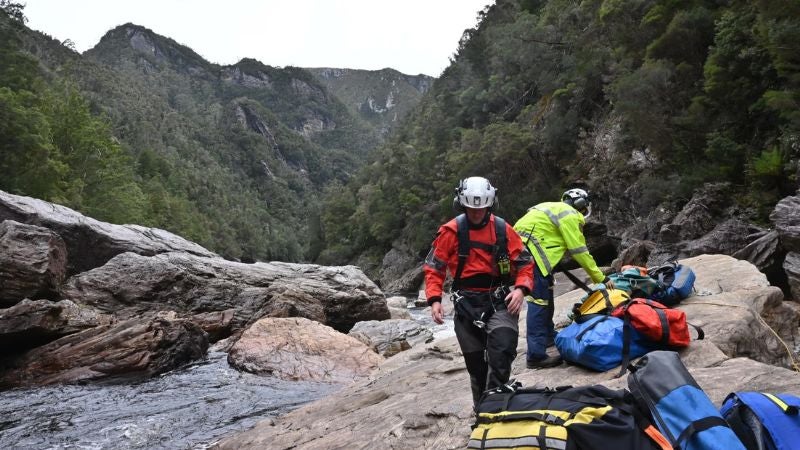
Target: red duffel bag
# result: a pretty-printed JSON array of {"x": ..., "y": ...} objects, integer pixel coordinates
[{"x": 664, "y": 326}]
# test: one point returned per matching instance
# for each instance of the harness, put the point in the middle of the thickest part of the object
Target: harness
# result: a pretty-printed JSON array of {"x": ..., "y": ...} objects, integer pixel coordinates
[{"x": 499, "y": 250}]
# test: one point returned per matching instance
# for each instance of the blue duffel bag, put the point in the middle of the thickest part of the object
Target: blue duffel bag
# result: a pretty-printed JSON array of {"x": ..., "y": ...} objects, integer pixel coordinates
[
  {"x": 764, "y": 421},
  {"x": 598, "y": 343},
  {"x": 679, "y": 408}
]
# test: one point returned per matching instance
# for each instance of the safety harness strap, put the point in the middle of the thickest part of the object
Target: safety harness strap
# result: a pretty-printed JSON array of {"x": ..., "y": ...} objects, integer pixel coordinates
[{"x": 499, "y": 250}]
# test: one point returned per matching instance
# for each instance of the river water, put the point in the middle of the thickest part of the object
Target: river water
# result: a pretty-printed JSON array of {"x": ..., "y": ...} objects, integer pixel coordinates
[{"x": 188, "y": 408}]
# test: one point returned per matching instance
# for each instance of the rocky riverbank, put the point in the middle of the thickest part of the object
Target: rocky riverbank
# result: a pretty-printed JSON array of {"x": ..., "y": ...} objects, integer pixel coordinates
[{"x": 420, "y": 398}]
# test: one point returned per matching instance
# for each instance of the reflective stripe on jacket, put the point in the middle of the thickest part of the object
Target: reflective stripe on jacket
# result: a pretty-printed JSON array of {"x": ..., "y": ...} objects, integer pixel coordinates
[
  {"x": 551, "y": 229},
  {"x": 480, "y": 263}
]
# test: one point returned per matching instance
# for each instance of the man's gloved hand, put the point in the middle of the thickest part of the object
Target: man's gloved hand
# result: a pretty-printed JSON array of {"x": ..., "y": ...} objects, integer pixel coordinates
[{"x": 609, "y": 283}]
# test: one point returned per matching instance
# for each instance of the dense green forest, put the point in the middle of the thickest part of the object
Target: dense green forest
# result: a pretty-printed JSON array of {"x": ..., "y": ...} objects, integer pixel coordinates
[
  {"x": 698, "y": 91},
  {"x": 141, "y": 129},
  {"x": 642, "y": 101}
]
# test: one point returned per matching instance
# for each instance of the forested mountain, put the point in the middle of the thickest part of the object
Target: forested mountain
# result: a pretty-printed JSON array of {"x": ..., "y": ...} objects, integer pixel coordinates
[
  {"x": 381, "y": 97},
  {"x": 641, "y": 101},
  {"x": 141, "y": 129}
]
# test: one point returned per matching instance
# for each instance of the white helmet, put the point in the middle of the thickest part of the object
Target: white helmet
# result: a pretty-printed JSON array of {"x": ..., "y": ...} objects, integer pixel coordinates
[
  {"x": 475, "y": 192},
  {"x": 578, "y": 199}
]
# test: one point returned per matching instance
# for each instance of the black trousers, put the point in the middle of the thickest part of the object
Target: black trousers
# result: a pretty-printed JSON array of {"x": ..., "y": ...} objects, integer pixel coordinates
[{"x": 488, "y": 352}]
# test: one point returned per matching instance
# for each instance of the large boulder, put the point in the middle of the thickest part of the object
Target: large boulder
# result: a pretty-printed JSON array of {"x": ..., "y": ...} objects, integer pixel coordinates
[
  {"x": 791, "y": 265},
  {"x": 91, "y": 243},
  {"x": 762, "y": 252},
  {"x": 33, "y": 262},
  {"x": 137, "y": 347},
  {"x": 131, "y": 284},
  {"x": 300, "y": 349},
  {"x": 401, "y": 272},
  {"x": 29, "y": 324},
  {"x": 389, "y": 337},
  {"x": 420, "y": 398},
  {"x": 786, "y": 217}
]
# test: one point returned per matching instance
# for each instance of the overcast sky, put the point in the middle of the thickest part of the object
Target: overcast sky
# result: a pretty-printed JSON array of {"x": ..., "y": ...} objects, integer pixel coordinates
[{"x": 412, "y": 36}]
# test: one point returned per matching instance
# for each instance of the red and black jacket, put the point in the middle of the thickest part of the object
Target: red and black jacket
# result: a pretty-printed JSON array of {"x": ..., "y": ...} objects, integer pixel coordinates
[{"x": 480, "y": 271}]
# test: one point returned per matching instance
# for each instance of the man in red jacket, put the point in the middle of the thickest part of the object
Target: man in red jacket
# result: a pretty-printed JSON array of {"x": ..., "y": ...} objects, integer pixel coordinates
[{"x": 492, "y": 273}]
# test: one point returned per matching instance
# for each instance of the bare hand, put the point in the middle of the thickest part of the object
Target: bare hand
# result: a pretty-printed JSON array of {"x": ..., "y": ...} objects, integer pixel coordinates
[
  {"x": 437, "y": 314},
  {"x": 514, "y": 301},
  {"x": 610, "y": 284}
]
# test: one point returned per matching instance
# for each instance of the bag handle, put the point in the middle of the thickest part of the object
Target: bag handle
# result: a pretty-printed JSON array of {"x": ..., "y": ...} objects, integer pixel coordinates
[{"x": 700, "y": 425}]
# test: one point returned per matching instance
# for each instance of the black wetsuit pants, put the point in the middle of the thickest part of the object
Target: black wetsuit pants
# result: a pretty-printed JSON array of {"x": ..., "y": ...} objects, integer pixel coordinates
[{"x": 489, "y": 351}]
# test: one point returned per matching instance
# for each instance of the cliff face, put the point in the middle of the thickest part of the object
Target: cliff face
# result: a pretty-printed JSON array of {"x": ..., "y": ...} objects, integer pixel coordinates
[{"x": 381, "y": 97}]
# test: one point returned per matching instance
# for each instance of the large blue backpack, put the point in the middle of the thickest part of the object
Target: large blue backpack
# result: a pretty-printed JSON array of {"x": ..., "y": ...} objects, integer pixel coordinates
[
  {"x": 676, "y": 282},
  {"x": 598, "y": 343},
  {"x": 680, "y": 409},
  {"x": 764, "y": 421}
]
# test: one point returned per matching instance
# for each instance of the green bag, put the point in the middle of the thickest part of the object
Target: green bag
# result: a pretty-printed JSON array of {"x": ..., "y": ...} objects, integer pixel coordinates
[{"x": 637, "y": 285}]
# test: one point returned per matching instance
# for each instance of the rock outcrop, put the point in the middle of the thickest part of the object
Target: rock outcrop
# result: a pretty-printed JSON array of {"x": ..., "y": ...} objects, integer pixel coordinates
[
  {"x": 786, "y": 217},
  {"x": 91, "y": 243},
  {"x": 142, "y": 301},
  {"x": 29, "y": 324},
  {"x": 33, "y": 262},
  {"x": 420, "y": 398},
  {"x": 301, "y": 349},
  {"x": 136, "y": 347},
  {"x": 130, "y": 284},
  {"x": 390, "y": 337}
]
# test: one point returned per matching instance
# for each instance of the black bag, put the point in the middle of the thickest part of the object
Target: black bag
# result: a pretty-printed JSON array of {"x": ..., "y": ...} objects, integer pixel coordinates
[{"x": 564, "y": 418}]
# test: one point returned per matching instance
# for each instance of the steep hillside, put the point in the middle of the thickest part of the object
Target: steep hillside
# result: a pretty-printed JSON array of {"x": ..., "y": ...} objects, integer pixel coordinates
[
  {"x": 381, "y": 97},
  {"x": 234, "y": 157},
  {"x": 643, "y": 102}
]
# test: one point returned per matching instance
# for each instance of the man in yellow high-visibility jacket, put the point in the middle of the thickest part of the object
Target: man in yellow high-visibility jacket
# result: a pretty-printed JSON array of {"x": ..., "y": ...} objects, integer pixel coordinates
[{"x": 549, "y": 230}]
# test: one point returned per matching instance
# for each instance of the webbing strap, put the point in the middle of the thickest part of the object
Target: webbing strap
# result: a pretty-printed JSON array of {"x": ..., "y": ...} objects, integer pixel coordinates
[
  {"x": 700, "y": 425},
  {"x": 542, "y": 438},
  {"x": 577, "y": 281},
  {"x": 662, "y": 317},
  {"x": 524, "y": 415},
  {"x": 463, "y": 248},
  {"x": 700, "y": 333},
  {"x": 626, "y": 344},
  {"x": 791, "y": 410},
  {"x": 498, "y": 251}
]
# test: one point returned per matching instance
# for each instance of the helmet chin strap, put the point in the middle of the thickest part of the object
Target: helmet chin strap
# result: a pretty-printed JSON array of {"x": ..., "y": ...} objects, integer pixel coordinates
[{"x": 588, "y": 211}]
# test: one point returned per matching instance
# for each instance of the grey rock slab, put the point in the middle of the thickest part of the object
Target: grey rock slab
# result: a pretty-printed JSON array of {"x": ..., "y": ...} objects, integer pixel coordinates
[
  {"x": 389, "y": 337},
  {"x": 91, "y": 243},
  {"x": 136, "y": 347},
  {"x": 338, "y": 296},
  {"x": 33, "y": 262}
]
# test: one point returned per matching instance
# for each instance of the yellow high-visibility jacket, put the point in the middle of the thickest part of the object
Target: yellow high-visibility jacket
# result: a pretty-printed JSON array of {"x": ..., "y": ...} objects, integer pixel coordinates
[{"x": 552, "y": 228}]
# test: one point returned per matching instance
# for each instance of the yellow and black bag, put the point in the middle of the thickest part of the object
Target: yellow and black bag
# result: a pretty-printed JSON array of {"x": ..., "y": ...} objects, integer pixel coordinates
[
  {"x": 565, "y": 418},
  {"x": 599, "y": 301}
]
